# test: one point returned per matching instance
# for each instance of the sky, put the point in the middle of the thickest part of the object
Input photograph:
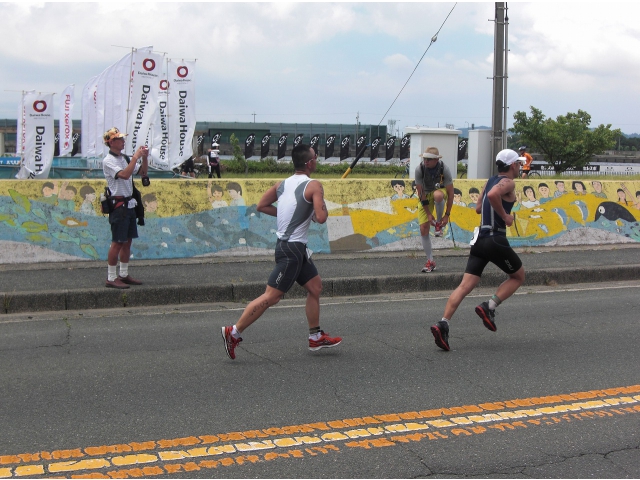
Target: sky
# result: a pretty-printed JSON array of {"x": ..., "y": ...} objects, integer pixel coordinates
[{"x": 306, "y": 62}]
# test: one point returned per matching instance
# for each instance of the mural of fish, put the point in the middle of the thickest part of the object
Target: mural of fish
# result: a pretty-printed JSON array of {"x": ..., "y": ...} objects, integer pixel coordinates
[
  {"x": 20, "y": 199},
  {"x": 89, "y": 250},
  {"x": 614, "y": 211},
  {"x": 34, "y": 227},
  {"x": 72, "y": 222}
]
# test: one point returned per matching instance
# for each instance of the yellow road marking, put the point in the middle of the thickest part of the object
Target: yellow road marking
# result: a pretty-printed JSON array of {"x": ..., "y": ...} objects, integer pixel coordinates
[{"x": 298, "y": 441}]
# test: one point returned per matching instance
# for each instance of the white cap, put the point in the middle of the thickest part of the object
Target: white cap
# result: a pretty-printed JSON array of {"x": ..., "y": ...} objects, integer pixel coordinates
[{"x": 509, "y": 157}]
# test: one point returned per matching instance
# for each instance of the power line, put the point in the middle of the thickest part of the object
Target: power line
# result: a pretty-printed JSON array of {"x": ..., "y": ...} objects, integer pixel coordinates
[{"x": 433, "y": 40}]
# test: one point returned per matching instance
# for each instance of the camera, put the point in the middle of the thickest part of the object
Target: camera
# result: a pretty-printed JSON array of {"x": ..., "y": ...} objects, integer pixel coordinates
[{"x": 145, "y": 181}]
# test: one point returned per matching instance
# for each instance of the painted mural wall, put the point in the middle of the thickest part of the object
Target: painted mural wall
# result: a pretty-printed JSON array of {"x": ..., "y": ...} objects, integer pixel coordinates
[{"x": 61, "y": 220}]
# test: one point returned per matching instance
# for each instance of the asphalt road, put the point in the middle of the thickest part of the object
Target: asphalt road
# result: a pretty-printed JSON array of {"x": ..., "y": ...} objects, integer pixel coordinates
[{"x": 554, "y": 393}]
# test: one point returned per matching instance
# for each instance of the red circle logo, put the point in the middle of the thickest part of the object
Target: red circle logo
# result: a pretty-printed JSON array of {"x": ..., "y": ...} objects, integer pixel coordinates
[
  {"x": 39, "y": 106},
  {"x": 164, "y": 84},
  {"x": 149, "y": 64},
  {"x": 182, "y": 71}
]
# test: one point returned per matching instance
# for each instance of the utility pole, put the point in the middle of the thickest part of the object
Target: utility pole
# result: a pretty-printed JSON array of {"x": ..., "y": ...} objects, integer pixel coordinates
[
  {"x": 499, "y": 110},
  {"x": 254, "y": 117}
]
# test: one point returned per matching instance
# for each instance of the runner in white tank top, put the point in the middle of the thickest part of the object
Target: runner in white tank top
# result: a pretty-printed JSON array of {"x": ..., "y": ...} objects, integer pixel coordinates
[
  {"x": 299, "y": 201},
  {"x": 294, "y": 210}
]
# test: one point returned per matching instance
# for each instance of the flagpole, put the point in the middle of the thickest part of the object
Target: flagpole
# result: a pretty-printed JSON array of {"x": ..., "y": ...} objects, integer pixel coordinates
[{"x": 129, "y": 91}]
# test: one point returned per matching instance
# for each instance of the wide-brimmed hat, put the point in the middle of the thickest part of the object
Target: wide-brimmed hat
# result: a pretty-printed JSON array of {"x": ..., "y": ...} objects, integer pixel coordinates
[
  {"x": 509, "y": 157},
  {"x": 431, "y": 152},
  {"x": 111, "y": 134}
]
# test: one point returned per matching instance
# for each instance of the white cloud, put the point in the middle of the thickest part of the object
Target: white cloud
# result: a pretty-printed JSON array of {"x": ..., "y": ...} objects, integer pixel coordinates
[
  {"x": 303, "y": 59},
  {"x": 398, "y": 60}
]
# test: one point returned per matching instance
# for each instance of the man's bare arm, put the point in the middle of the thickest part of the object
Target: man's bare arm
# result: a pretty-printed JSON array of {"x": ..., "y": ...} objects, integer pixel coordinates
[{"x": 265, "y": 205}]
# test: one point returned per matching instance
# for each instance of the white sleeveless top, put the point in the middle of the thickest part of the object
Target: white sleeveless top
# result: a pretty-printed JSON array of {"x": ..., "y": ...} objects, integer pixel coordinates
[{"x": 294, "y": 211}]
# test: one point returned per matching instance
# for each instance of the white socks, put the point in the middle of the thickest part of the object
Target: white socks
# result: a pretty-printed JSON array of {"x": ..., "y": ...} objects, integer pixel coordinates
[
  {"x": 439, "y": 210},
  {"x": 234, "y": 333},
  {"x": 426, "y": 245},
  {"x": 111, "y": 272}
]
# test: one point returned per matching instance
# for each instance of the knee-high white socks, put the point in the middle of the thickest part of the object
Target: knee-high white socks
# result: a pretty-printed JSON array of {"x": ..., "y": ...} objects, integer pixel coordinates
[
  {"x": 439, "y": 210},
  {"x": 426, "y": 244}
]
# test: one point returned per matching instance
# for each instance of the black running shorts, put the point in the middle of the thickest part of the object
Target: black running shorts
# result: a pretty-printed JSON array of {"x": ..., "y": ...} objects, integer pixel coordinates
[
  {"x": 494, "y": 249},
  {"x": 292, "y": 265}
]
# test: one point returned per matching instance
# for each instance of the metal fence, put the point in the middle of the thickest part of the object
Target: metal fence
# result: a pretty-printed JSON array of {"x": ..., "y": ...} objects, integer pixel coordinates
[{"x": 593, "y": 169}]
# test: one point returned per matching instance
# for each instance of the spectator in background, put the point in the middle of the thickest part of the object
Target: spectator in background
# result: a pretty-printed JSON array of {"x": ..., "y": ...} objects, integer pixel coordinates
[
  {"x": 526, "y": 168},
  {"x": 213, "y": 160},
  {"x": 188, "y": 168},
  {"x": 119, "y": 171}
]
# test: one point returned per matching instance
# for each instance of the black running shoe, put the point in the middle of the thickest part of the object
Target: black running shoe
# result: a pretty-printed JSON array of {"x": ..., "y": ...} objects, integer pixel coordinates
[
  {"x": 440, "y": 332},
  {"x": 487, "y": 316}
]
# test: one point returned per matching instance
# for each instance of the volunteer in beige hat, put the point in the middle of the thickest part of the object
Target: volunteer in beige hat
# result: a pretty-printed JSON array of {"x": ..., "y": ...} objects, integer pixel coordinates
[{"x": 433, "y": 182}]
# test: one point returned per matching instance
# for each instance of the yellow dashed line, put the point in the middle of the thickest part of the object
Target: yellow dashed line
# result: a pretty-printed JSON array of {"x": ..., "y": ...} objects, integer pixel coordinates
[{"x": 317, "y": 438}]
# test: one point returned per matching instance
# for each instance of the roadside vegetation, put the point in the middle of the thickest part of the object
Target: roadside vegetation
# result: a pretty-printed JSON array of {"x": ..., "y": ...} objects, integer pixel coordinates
[{"x": 565, "y": 142}]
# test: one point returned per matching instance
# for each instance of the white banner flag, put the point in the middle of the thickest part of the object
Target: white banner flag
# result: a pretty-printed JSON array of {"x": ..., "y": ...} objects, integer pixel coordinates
[
  {"x": 159, "y": 151},
  {"x": 38, "y": 136},
  {"x": 65, "y": 124},
  {"x": 88, "y": 138},
  {"x": 117, "y": 94},
  {"x": 146, "y": 75},
  {"x": 182, "y": 110}
]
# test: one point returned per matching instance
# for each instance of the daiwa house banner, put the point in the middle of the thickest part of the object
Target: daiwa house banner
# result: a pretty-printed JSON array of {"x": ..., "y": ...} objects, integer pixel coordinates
[
  {"x": 159, "y": 151},
  {"x": 329, "y": 146},
  {"x": 264, "y": 145},
  {"x": 145, "y": 76},
  {"x": 282, "y": 145},
  {"x": 375, "y": 148},
  {"x": 182, "y": 109},
  {"x": 390, "y": 148},
  {"x": 38, "y": 135},
  {"x": 298, "y": 139},
  {"x": 65, "y": 124},
  {"x": 405, "y": 143},
  {"x": 344, "y": 147}
]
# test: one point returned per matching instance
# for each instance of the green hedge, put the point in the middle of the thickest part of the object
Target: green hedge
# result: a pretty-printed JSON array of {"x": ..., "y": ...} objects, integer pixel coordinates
[{"x": 270, "y": 165}]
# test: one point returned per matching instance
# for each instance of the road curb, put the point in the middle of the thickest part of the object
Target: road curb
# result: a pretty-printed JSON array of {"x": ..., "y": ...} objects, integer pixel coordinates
[{"x": 149, "y": 295}]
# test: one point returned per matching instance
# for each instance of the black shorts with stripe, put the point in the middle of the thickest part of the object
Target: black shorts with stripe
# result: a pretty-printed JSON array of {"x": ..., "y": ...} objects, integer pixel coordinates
[
  {"x": 494, "y": 249},
  {"x": 292, "y": 265}
]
